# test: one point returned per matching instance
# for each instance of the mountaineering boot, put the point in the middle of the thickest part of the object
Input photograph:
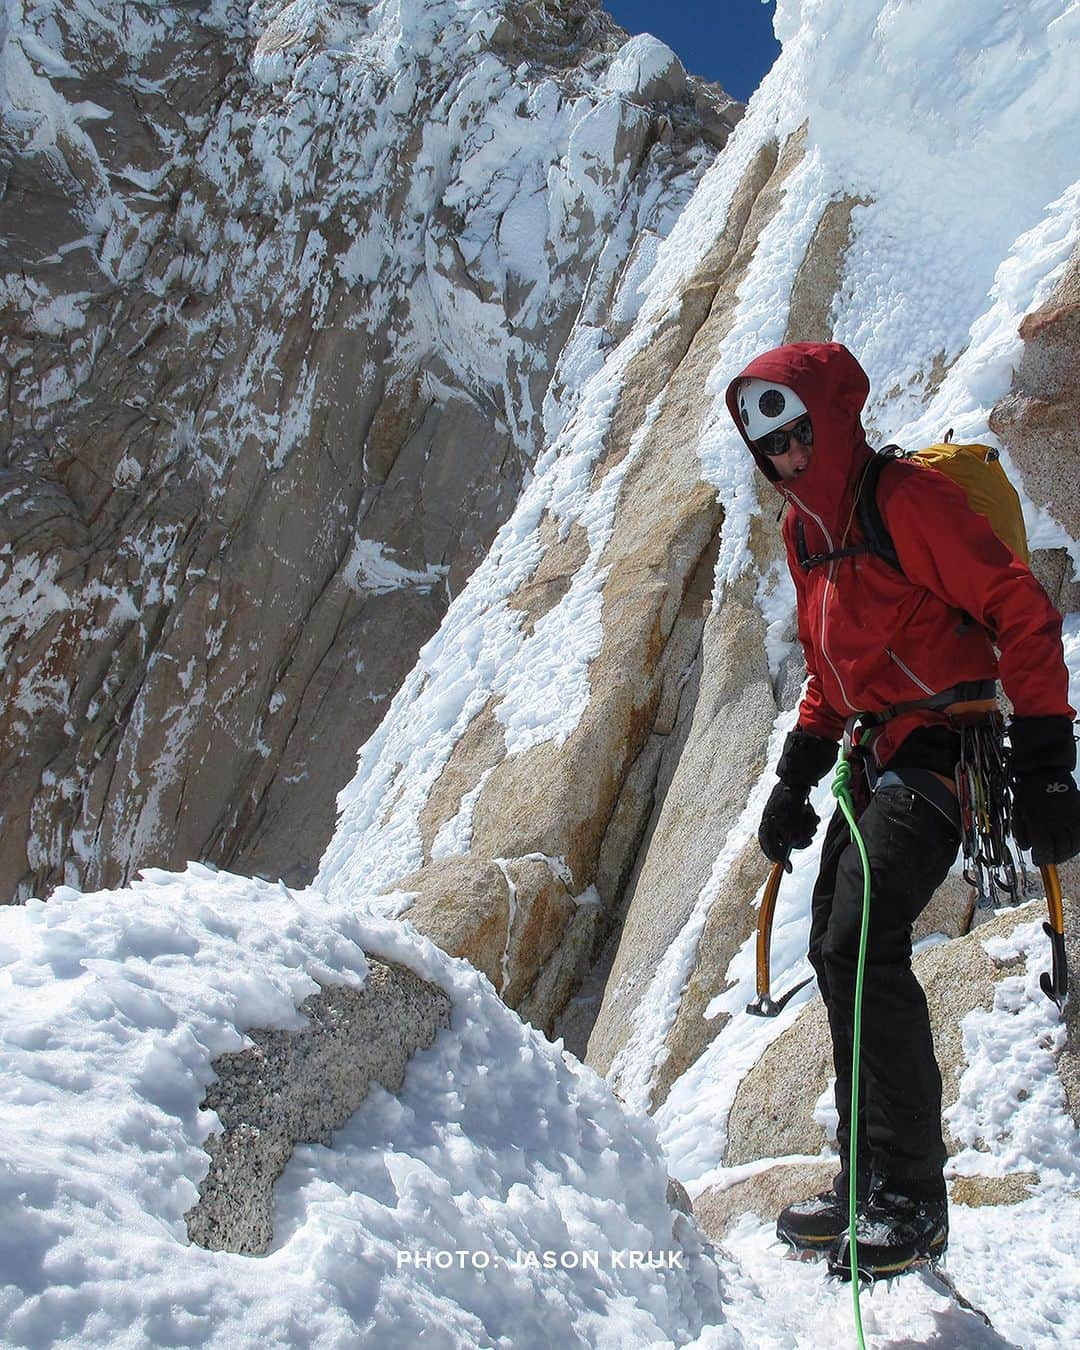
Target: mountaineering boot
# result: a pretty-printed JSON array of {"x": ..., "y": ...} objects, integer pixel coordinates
[
  {"x": 893, "y": 1233},
  {"x": 813, "y": 1225}
]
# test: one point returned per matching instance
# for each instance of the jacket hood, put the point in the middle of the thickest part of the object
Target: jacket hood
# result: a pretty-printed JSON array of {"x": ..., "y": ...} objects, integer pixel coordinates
[{"x": 834, "y": 388}]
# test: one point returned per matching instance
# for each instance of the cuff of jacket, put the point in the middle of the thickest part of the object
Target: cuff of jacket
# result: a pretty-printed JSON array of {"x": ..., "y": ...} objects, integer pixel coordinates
[
  {"x": 1041, "y": 743},
  {"x": 805, "y": 760}
]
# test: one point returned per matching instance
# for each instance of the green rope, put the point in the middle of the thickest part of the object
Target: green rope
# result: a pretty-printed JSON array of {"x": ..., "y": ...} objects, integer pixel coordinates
[{"x": 842, "y": 792}]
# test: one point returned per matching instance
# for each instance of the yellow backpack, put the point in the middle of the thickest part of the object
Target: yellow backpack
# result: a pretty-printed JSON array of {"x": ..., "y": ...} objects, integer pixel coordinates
[{"x": 976, "y": 468}]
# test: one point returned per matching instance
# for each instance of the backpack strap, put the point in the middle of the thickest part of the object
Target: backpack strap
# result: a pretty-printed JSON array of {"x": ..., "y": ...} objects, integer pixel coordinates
[
  {"x": 877, "y": 539},
  {"x": 872, "y": 523},
  {"x": 868, "y": 513},
  {"x": 808, "y": 560}
]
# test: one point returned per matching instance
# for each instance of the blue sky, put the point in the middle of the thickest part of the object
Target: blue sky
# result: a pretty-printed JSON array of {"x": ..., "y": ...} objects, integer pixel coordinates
[{"x": 726, "y": 40}]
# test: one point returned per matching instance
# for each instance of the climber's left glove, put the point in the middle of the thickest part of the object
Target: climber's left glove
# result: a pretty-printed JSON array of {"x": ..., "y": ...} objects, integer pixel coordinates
[{"x": 1046, "y": 801}]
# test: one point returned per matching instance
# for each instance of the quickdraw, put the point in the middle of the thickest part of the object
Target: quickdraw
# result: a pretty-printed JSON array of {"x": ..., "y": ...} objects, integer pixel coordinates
[
  {"x": 985, "y": 798},
  {"x": 984, "y": 791}
]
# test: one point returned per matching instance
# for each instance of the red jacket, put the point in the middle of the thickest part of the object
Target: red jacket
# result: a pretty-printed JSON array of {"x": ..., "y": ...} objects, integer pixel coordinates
[{"x": 872, "y": 637}]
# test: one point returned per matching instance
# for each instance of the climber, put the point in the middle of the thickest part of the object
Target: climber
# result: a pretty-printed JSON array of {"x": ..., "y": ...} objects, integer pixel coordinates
[{"x": 875, "y": 638}]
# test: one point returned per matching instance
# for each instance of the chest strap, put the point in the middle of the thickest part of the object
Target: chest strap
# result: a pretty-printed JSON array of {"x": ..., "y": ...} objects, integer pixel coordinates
[{"x": 807, "y": 560}]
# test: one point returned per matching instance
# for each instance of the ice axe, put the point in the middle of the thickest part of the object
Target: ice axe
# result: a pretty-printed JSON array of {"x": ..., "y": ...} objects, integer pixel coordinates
[
  {"x": 1054, "y": 985},
  {"x": 764, "y": 1005}
]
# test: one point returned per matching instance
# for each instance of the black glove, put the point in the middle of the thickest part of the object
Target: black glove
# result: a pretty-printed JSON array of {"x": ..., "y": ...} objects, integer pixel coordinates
[
  {"x": 805, "y": 759},
  {"x": 789, "y": 821},
  {"x": 1046, "y": 802}
]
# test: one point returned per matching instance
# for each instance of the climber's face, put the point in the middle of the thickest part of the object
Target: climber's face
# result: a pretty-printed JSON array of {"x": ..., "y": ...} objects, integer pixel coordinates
[{"x": 790, "y": 447}]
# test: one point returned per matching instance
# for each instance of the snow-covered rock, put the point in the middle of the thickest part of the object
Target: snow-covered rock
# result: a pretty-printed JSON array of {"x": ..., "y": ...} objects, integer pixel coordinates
[
  {"x": 295, "y": 1087},
  {"x": 646, "y": 69},
  {"x": 297, "y": 294}
]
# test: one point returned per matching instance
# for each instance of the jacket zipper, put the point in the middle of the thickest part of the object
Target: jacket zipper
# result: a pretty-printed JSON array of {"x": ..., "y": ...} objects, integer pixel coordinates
[
  {"x": 825, "y": 598},
  {"x": 909, "y": 672}
]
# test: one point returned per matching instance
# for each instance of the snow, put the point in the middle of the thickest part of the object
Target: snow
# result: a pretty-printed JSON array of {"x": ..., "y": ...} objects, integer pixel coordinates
[
  {"x": 455, "y": 835},
  {"x": 639, "y": 62},
  {"x": 958, "y": 134},
  {"x": 498, "y": 1149},
  {"x": 370, "y": 569},
  {"x": 1011, "y": 1110},
  {"x": 504, "y": 1187}
]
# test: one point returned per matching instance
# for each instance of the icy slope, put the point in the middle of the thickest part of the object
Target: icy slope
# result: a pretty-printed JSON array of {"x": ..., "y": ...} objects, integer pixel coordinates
[{"x": 503, "y": 1197}]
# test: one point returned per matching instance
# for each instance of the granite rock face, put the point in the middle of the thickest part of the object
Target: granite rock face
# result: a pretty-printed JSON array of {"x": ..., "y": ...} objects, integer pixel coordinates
[
  {"x": 1036, "y": 420},
  {"x": 638, "y": 813},
  {"x": 585, "y": 805},
  {"x": 293, "y": 297},
  {"x": 1036, "y": 423}
]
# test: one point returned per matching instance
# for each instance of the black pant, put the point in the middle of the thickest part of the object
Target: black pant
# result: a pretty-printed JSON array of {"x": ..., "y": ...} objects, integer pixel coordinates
[{"x": 911, "y": 847}]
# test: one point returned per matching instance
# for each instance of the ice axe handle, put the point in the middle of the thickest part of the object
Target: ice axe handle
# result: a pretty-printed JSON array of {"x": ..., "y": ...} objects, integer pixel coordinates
[
  {"x": 1055, "y": 984},
  {"x": 763, "y": 1004}
]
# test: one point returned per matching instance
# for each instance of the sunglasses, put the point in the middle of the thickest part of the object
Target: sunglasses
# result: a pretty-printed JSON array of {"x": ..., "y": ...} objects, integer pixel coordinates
[{"x": 776, "y": 442}]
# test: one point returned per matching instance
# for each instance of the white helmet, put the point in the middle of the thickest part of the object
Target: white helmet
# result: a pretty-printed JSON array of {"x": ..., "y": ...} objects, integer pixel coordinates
[{"x": 763, "y": 406}]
